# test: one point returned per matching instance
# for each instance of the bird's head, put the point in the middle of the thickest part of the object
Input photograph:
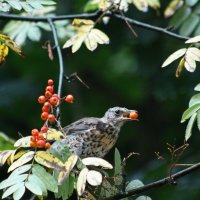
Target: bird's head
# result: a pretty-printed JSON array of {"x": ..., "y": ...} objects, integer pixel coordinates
[{"x": 118, "y": 116}]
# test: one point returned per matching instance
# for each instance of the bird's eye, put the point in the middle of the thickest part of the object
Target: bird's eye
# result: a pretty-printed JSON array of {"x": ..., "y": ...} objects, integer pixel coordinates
[{"x": 117, "y": 112}]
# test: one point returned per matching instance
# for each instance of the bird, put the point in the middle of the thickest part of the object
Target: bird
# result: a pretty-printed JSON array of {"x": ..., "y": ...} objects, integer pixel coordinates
[{"x": 92, "y": 136}]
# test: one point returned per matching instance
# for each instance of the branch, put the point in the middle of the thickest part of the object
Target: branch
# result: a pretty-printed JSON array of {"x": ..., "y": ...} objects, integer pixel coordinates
[
  {"x": 61, "y": 66},
  {"x": 165, "y": 181}
]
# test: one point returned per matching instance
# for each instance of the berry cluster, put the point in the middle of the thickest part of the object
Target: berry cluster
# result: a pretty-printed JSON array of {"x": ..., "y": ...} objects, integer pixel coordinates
[{"x": 50, "y": 101}]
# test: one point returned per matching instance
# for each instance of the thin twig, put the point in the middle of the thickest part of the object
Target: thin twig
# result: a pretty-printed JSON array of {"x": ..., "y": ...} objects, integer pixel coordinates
[
  {"x": 165, "y": 181},
  {"x": 61, "y": 66}
]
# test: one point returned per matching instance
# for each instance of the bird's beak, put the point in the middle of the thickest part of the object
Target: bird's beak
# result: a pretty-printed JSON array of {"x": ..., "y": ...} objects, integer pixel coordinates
[{"x": 130, "y": 115}]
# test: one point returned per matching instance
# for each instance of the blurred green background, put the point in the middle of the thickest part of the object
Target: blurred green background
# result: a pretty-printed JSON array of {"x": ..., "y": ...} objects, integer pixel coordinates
[{"x": 125, "y": 73}]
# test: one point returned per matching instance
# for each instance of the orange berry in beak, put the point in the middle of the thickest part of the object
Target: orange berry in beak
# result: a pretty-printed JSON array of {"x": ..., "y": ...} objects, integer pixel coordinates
[{"x": 133, "y": 115}]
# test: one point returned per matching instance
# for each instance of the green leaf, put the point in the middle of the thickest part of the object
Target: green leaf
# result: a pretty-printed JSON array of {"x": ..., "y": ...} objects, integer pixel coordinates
[
  {"x": 90, "y": 6},
  {"x": 194, "y": 100},
  {"x": 19, "y": 193},
  {"x": 189, "y": 25},
  {"x": 189, "y": 112},
  {"x": 191, "y": 2},
  {"x": 134, "y": 184},
  {"x": 21, "y": 170},
  {"x": 34, "y": 33},
  {"x": 15, "y": 4},
  {"x": 118, "y": 167},
  {"x": 45, "y": 177},
  {"x": 12, "y": 180},
  {"x": 143, "y": 198},
  {"x": 12, "y": 189},
  {"x": 198, "y": 119},
  {"x": 197, "y": 87},
  {"x": 190, "y": 124},
  {"x": 33, "y": 184}
]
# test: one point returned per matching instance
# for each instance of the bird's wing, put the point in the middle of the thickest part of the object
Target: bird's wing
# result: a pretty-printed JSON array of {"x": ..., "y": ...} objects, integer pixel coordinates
[{"x": 82, "y": 125}]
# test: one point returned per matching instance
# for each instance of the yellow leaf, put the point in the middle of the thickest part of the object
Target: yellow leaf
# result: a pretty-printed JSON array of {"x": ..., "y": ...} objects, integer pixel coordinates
[
  {"x": 172, "y": 7},
  {"x": 4, "y": 155},
  {"x": 3, "y": 52},
  {"x": 23, "y": 142},
  {"x": 22, "y": 160},
  {"x": 155, "y": 4},
  {"x": 11, "y": 157},
  {"x": 81, "y": 182},
  {"x": 48, "y": 160},
  {"x": 104, "y": 4},
  {"x": 180, "y": 67},
  {"x": 94, "y": 178},
  {"x": 53, "y": 134},
  {"x": 69, "y": 165},
  {"x": 82, "y": 24}
]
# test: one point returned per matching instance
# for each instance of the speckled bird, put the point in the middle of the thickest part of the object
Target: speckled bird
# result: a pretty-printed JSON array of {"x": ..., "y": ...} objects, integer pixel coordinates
[{"x": 92, "y": 136}]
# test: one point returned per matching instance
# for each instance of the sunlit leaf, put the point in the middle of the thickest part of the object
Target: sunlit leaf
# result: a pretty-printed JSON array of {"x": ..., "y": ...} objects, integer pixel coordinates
[
  {"x": 194, "y": 100},
  {"x": 190, "y": 111},
  {"x": 134, "y": 184},
  {"x": 97, "y": 162},
  {"x": 198, "y": 119},
  {"x": 155, "y": 4},
  {"x": 53, "y": 134},
  {"x": 48, "y": 160},
  {"x": 193, "y": 40},
  {"x": 3, "y": 52},
  {"x": 197, "y": 87},
  {"x": 23, "y": 142},
  {"x": 4, "y": 155},
  {"x": 191, "y": 2},
  {"x": 190, "y": 63},
  {"x": 172, "y": 7},
  {"x": 94, "y": 178},
  {"x": 22, "y": 160},
  {"x": 180, "y": 67},
  {"x": 190, "y": 124},
  {"x": 81, "y": 182},
  {"x": 19, "y": 193},
  {"x": 194, "y": 53},
  {"x": 177, "y": 54},
  {"x": 21, "y": 170}
]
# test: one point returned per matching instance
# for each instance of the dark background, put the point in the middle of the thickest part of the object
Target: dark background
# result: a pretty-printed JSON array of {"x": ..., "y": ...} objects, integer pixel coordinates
[{"x": 125, "y": 73}]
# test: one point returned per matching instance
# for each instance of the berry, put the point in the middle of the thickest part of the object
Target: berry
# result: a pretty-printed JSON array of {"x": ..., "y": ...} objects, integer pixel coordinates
[
  {"x": 50, "y": 89},
  {"x": 33, "y": 144},
  {"x": 47, "y": 104},
  {"x": 33, "y": 138},
  {"x": 45, "y": 109},
  {"x": 48, "y": 94},
  {"x": 41, "y": 99},
  {"x": 44, "y": 116},
  {"x": 53, "y": 101},
  {"x": 51, "y": 118},
  {"x": 133, "y": 115},
  {"x": 69, "y": 98},
  {"x": 34, "y": 132},
  {"x": 47, "y": 145},
  {"x": 40, "y": 137},
  {"x": 50, "y": 82},
  {"x": 41, "y": 143},
  {"x": 56, "y": 95},
  {"x": 44, "y": 129}
]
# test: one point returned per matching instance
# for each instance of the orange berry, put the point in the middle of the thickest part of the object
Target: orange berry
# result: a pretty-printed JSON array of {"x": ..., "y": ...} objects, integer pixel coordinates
[
  {"x": 47, "y": 145},
  {"x": 51, "y": 118},
  {"x": 48, "y": 94},
  {"x": 41, "y": 143},
  {"x": 33, "y": 144},
  {"x": 44, "y": 116},
  {"x": 34, "y": 132},
  {"x": 44, "y": 129},
  {"x": 45, "y": 109},
  {"x": 41, "y": 99},
  {"x": 40, "y": 137},
  {"x": 133, "y": 115},
  {"x": 47, "y": 104},
  {"x": 50, "y": 82},
  {"x": 69, "y": 98},
  {"x": 33, "y": 138},
  {"x": 50, "y": 89},
  {"x": 53, "y": 101},
  {"x": 56, "y": 95}
]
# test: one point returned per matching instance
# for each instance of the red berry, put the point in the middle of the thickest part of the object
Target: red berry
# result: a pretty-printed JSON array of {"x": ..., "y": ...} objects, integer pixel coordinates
[
  {"x": 56, "y": 95},
  {"x": 33, "y": 144},
  {"x": 47, "y": 145},
  {"x": 69, "y": 98},
  {"x": 41, "y": 143},
  {"x": 34, "y": 132},
  {"x": 40, "y": 137},
  {"x": 50, "y": 82},
  {"x": 133, "y": 115},
  {"x": 50, "y": 89},
  {"x": 51, "y": 118},
  {"x": 48, "y": 94},
  {"x": 45, "y": 109},
  {"x": 44, "y": 129},
  {"x": 53, "y": 101},
  {"x": 41, "y": 99},
  {"x": 33, "y": 138},
  {"x": 44, "y": 116},
  {"x": 47, "y": 104}
]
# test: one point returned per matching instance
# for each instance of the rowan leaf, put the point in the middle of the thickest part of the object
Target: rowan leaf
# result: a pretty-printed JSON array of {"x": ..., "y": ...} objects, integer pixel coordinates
[
  {"x": 193, "y": 40},
  {"x": 141, "y": 5},
  {"x": 194, "y": 100},
  {"x": 143, "y": 198},
  {"x": 190, "y": 63},
  {"x": 94, "y": 161},
  {"x": 180, "y": 67},
  {"x": 190, "y": 111},
  {"x": 118, "y": 167},
  {"x": 81, "y": 182},
  {"x": 22, "y": 160},
  {"x": 21, "y": 170},
  {"x": 198, "y": 119},
  {"x": 189, "y": 127},
  {"x": 177, "y": 54},
  {"x": 4, "y": 155},
  {"x": 94, "y": 178},
  {"x": 19, "y": 193},
  {"x": 197, "y": 87},
  {"x": 172, "y": 7},
  {"x": 53, "y": 134},
  {"x": 48, "y": 160},
  {"x": 23, "y": 142},
  {"x": 134, "y": 184},
  {"x": 3, "y": 52}
]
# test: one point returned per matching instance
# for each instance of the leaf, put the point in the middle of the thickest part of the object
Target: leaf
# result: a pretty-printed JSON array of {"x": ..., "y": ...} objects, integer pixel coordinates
[
  {"x": 34, "y": 33},
  {"x": 194, "y": 100},
  {"x": 13, "y": 180},
  {"x": 21, "y": 170},
  {"x": 3, "y": 52},
  {"x": 172, "y": 7},
  {"x": 134, "y": 184},
  {"x": 69, "y": 165},
  {"x": 190, "y": 124},
  {"x": 12, "y": 189},
  {"x": 197, "y": 87},
  {"x": 19, "y": 193},
  {"x": 194, "y": 53},
  {"x": 191, "y": 2},
  {"x": 155, "y": 4},
  {"x": 94, "y": 178},
  {"x": 33, "y": 184},
  {"x": 4, "y": 155},
  {"x": 53, "y": 134},
  {"x": 97, "y": 162},
  {"x": 198, "y": 119},
  {"x": 143, "y": 198},
  {"x": 189, "y": 112},
  {"x": 118, "y": 162},
  {"x": 48, "y": 160},
  {"x": 190, "y": 63},
  {"x": 48, "y": 180},
  {"x": 22, "y": 160},
  {"x": 141, "y": 5},
  {"x": 23, "y": 142},
  {"x": 180, "y": 67},
  {"x": 177, "y": 54},
  {"x": 81, "y": 182},
  {"x": 193, "y": 40}
]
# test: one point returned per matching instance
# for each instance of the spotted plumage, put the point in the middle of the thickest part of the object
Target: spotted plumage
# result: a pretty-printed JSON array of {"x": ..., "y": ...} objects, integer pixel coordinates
[{"x": 95, "y": 136}]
